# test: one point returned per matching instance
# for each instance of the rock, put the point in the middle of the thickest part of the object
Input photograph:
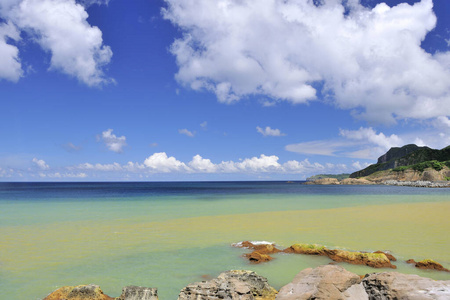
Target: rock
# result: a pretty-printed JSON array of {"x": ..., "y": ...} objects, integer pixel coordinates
[
  {"x": 389, "y": 256},
  {"x": 263, "y": 248},
  {"x": 237, "y": 284},
  {"x": 324, "y": 181},
  {"x": 428, "y": 264},
  {"x": 323, "y": 283},
  {"x": 138, "y": 293},
  {"x": 356, "y": 181},
  {"x": 80, "y": 292},
  {"x": 310, "y": 249},
  {"x": 375, "y": 260},
  {"x": 393, "y": 286},
  {"x": 256, "y": 257}
]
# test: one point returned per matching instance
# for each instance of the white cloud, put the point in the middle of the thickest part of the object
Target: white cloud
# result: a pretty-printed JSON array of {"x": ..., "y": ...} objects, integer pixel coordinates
[
  {"x": 186, "y": 132},
  {"x": 269, "y": 131},
  {"x": 113, "y": 142},
  {"x": 204, "y": 125},
  {"x": 160, "y": 162},
  {"x": 41, "y": 164},
  {"x": 200, "y": 164},
  {"x": 60, "y": 27},
  {"x": 263, "y": 163},
  {"x": 369, "y": 135},
  {"x": 370, "y": 60},
  {"x": 322, "y": 147},
  {"x": 364, "y": 143},
  {"x": 10, "y": 66}
]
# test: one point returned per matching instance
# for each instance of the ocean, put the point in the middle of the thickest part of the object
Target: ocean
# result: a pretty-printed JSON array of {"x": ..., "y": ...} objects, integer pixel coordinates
[{"x": 169, "y": 234}]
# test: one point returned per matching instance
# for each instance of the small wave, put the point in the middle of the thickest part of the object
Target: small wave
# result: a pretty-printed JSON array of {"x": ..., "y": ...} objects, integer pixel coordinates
[{"x": 239, "y": 244}]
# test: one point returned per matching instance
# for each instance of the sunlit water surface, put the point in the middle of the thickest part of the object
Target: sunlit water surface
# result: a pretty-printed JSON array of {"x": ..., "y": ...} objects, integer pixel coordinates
[{"x": 167, "y": 235}]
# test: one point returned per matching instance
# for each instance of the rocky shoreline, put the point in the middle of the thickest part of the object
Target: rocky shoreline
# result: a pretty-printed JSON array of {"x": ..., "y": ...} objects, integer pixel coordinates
[
  {"x": 420, "y": 183},
  {"x": 327, "y": 282}
]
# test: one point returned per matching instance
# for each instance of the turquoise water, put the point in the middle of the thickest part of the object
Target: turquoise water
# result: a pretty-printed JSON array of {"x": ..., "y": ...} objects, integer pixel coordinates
[{"x": 167, "y": 235}]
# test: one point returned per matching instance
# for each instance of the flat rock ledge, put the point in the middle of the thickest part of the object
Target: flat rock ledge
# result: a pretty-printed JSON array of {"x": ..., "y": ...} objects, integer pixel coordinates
[
  {"x": 420, "y": 183},
  {"x": 334, "y": 282}
]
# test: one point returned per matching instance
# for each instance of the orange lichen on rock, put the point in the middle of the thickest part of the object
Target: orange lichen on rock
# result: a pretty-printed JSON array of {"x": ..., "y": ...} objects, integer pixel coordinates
[
  {"x": 428, "y": 264},
  {"x": 389, "y": 256},
  {"x": 80, "y": 292},
  {"x": 374, "y": 260},
  {"x": 257, "y": 257}
]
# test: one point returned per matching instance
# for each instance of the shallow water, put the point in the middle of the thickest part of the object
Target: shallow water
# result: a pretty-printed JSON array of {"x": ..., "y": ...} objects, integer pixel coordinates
[{"x": 167, "y": 235}]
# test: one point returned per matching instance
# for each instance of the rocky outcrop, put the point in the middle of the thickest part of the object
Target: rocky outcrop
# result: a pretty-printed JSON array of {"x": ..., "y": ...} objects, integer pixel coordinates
[
  {"x": 138, "y": 293},
  {"x": 393, "y": 286},
  {"x": 374, "y": 260},
  {"x": 237, "y": 284},
  {"x": 80, "y": 292},
  {"x": 257, "y": 257},
  {"x": 377, "y": 259},
  {"x": 261, "y": 251},
  {"x": 356, "y": 181},
  {"x": 310, "y": 249},
  {"x": 261, "y": 247},
  {"x": 324, "y": 181},
  {"x": 427, "y": 264},
  {"x": 323, "y": 283}
]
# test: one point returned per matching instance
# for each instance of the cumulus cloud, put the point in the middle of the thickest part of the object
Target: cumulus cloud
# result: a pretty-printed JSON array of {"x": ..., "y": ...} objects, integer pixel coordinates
[
  {"x": 269, "y": 131},
  {"x": 264, "y": 164},
  {"x": 186, "y": 132},
  {"x": 60, "y": 27},
  {"x": 200, "y": 164},
  {"x": 10, "y": 66},
  {"x": 41, "y": 164},
  {"x": 162, "y": 163},
  {"x": 370, "y": 135},
  {"x": 112, "y": 142},
  {"x": 366, "y": 59}
]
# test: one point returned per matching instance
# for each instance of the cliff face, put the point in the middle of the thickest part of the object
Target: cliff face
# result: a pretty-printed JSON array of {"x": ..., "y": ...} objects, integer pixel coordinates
[
  {"x": 410, "y": 175},
  {"x": 404, "y": 156}
]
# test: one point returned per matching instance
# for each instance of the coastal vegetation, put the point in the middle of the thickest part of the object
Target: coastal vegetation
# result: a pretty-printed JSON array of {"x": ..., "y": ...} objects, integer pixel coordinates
[
  {"x": 320, "y": 176},
  {"x": 408, "y": 157}
]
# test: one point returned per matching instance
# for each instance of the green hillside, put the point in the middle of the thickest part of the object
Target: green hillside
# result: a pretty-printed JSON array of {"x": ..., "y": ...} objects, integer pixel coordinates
[{"x": 407, "y": 155}]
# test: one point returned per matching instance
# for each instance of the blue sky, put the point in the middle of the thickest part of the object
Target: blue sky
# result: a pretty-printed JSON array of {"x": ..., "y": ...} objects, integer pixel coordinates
[{"x": 217, "y": 90}]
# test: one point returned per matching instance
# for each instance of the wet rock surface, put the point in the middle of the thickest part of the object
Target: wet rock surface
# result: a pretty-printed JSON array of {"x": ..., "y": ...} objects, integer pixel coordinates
[{"x": 236, "y": 284}]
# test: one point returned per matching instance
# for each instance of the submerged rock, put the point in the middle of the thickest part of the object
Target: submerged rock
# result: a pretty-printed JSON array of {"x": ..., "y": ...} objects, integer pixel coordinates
[
  {"x": 393, "y": 285},
  {"x": 80, "y": 292},
  {"x": 236, "y": 284},
  {"x": 428, "y": 264},
  {"x": 138, "y": 293}
]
